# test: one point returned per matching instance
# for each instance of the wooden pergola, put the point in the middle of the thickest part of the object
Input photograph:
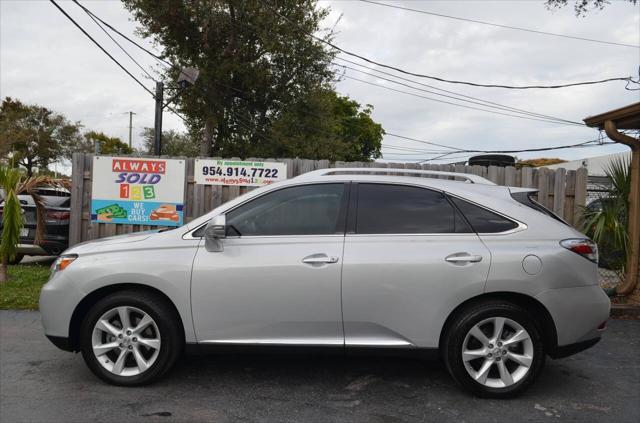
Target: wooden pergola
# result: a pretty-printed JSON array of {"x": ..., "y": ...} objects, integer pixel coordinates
[{"x": 613, "y": 122}]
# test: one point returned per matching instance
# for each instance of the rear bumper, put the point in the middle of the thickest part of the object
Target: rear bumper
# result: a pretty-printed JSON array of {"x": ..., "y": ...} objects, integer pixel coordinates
[
  {"x": 48, "y": 247},
  {"x": 577, "y": 313},
  {"x": 571, "y": 349},
  {"x": 31, "y": 250}
]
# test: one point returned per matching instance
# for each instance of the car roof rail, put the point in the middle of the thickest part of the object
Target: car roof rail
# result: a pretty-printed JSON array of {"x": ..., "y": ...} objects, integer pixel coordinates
[{"x": 466, "y": 177}]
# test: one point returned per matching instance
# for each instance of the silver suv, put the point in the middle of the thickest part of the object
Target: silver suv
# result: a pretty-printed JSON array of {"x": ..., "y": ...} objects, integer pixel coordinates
[{"x": 426, "y": 263}]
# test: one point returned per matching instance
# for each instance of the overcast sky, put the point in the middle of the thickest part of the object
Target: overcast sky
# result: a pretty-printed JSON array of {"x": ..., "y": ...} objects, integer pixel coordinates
[{"x": 44, "y": 59}]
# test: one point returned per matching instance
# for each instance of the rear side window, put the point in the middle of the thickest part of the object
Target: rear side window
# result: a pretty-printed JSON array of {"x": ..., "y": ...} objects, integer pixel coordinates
[
  {"x": 401, "y": 209},
  {"x": 483, "y": 220}
]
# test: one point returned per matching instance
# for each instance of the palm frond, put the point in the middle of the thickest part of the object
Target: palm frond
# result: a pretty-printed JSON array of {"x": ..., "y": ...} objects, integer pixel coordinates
[
  {"x": 12, "y": 221},
  {"x": 607, "y": 225},
  {"x": 618, "y": 172},
  {"x": 30, "y": 186}
]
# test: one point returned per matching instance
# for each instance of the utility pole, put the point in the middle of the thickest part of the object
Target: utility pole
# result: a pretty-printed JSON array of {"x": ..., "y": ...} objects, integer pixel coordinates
[
  {"x": 130, "y": 128},
  {"x": 186, "y": 78},
  {"x": 158, "y": 119}
]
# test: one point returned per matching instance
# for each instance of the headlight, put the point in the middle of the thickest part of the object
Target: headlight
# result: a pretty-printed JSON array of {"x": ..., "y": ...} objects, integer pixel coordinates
[{"x": 62, "y": 262}]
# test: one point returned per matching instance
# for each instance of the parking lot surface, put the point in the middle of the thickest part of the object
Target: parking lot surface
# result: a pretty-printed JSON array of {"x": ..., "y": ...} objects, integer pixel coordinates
[{"x": 39, "y": 383}]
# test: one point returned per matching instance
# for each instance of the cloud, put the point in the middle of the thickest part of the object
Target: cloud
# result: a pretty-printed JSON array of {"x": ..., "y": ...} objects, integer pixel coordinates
[{"x": 44, "y": 59}]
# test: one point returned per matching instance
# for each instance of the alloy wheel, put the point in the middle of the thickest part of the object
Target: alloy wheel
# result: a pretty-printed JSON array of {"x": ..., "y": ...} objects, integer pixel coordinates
[
  {"x": 126, "y": 341},
  {"x": 497, "y": 352}
]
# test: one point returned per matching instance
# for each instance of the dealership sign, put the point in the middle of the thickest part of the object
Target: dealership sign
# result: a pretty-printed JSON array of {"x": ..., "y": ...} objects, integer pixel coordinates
[
  {"x": 137, "y": 191},
  {"x": 237, "y": 172}
]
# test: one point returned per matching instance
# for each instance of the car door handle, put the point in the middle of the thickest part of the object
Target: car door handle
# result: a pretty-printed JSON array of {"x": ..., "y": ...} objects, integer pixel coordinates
[
  {"x": 466, "y": 258},
  {"x": 319, "y": 258}
]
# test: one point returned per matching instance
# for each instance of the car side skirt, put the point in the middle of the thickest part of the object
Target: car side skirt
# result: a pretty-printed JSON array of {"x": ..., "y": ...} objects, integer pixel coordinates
[{"x": 358, "y": 351}]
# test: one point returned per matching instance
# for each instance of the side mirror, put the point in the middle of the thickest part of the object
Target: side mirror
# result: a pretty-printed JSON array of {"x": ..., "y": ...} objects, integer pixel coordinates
[
  {"x": 215, "y": 232},
  {"x": 217, "y": 228}
]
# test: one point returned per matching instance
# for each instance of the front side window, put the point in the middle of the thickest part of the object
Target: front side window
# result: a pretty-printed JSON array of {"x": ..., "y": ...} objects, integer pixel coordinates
[
  {"x": 401, "y": 209},
  {"x": 315, "y": 209}
]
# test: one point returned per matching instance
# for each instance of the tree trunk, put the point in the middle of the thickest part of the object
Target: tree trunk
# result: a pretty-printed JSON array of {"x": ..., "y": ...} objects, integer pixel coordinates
[
  {"x": 4, "y": 276},
  {"x": 206, "y": 143}
]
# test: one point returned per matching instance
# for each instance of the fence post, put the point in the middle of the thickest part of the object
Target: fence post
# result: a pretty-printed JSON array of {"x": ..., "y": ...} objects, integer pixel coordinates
[
  {"x": 77, "y": 185},
  {"x": 581, "y": 194},
  {"x": 559, "y": 191}
]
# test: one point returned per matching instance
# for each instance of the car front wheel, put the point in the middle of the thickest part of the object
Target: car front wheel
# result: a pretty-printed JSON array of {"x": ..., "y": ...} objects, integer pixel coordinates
[
  {"x": 494, "y": 349},
  {"x": 131, "y": 338}
]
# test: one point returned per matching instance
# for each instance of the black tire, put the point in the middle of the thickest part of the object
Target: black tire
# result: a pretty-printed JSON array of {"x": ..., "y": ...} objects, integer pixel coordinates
[
  {"x": 16, "y": 259},
  {"x": 164, "y": 315},
  {"x": 460, "y": 326}
]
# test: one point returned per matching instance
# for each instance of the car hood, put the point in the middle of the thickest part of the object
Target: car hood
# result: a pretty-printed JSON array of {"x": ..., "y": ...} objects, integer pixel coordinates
[{"x": 112, "y": 242}]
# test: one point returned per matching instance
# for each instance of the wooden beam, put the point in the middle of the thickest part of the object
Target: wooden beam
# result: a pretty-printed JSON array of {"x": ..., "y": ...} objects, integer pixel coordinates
[
  {"x": 633, "y": 257},
  {"x": 627, "y": 117}
]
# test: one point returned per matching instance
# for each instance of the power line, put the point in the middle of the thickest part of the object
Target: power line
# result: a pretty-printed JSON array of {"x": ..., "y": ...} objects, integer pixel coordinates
[
  {"x": 450, "y": 81},
  {"x": 111, "y": 57},
  {"x": 499, "y": 25},
  {"x": 455, "y": 104},
  {"x": 490, "y": 104},
  {"x": 537, "y": 116},
  {"x": 242, "y": 122},
  {"x": 89, "y": 12},
  {"x": 121, "y": 48},
  {"x": 505, "y": 107},
  {"x": 100, "y": 47},
  {"x": 590, "y": 143}
]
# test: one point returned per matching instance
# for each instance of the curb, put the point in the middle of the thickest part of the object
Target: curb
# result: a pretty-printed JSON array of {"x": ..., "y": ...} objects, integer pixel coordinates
[{"x": 625, "y": 311}]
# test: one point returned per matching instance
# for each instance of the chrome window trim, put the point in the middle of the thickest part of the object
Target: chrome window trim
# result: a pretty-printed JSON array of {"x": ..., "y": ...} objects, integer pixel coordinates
[
  {"x": 433, "y": 234},
  {"x": 521, "y": 226}
]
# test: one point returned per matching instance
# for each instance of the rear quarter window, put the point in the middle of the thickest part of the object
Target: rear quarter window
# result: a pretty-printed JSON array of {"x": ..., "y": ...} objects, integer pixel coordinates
[
  {"x": 483, "y": 220},
  {"x": 526, "y": 198}
]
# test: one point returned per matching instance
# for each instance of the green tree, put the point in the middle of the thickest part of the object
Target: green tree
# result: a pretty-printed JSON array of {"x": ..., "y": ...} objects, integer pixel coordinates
[
  {"x": 93, "y": 141},
  {"x": 581, "y": 7},
  {"x": 253, "y": 64},
  {"x": 174, "y": 143},
  {"x": 34, "y": 136},
  {"x": 107, "y": 145},
  {"x": 12, "y": 184},
  {"x": 325, "y": 125},
  {"x": 606, "y": 221},
  {"x": 12, "y": 221}
]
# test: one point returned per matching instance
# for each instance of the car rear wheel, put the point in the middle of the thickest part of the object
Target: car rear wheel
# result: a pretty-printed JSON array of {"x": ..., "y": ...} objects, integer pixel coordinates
[
  {"x": 131, "y": 338},
  {"x": 494, "y": 349}
]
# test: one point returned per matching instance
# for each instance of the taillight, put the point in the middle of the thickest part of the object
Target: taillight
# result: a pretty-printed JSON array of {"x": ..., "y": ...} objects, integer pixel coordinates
[
  {"x": 58, "y": 215},
  {"x": 585, "y": 247}
]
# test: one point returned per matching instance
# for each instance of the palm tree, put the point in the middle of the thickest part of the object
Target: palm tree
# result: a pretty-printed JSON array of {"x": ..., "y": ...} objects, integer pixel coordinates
[
  {"x": 11, "y": 218},
  {"x": 13, "y": 184},
  {"x": 607, "y": 223}
]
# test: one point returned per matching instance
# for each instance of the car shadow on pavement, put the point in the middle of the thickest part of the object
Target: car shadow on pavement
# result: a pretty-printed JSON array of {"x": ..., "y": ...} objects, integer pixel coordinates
[{"x": 349, "y": 373}]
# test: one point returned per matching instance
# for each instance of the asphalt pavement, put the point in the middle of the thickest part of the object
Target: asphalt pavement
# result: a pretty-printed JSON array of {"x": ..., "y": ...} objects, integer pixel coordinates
[{"x": 39, "y": 383}]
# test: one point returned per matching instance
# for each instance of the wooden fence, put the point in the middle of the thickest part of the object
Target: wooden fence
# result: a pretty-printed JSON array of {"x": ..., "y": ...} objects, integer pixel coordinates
[{"x": 560, "y": 190}]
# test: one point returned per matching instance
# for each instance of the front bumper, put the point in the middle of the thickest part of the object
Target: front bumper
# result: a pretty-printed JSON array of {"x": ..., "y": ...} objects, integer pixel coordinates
[
  {"x": 61, "y": 342},
  {"x": 58, "y": 299}
]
